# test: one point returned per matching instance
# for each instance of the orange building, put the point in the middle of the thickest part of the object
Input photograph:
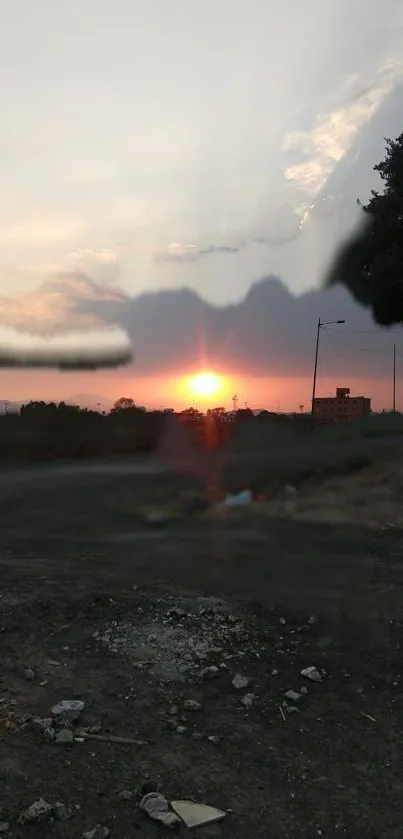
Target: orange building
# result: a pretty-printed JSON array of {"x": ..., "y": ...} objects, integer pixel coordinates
[{"x": 340, "y": 408}]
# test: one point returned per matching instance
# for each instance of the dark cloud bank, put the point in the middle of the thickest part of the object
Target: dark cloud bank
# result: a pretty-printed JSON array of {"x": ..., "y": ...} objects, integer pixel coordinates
[{"x": 269, "y": 333}]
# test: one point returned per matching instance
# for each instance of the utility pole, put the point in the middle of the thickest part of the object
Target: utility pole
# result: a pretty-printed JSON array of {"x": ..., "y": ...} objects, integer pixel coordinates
[
  {"x": 394, "y": 378},
  {"x": 235, "y": 402},
  {"x": 315, "y": 368}
]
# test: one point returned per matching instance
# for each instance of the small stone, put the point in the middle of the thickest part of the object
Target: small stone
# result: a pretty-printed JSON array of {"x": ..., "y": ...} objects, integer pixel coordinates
[
  {"x": 312, "y": 620},
  {"x": 96, "y": 729},
  {"x": 248, "y": 700},
  {"x": 292, "y": 695},
  {"x": 43, "y": 684},
  {"x": 312, "y": 673},
  {"x": 54, "y": 663},
  {"x": 29, "y": 674},
  {"x": 62, "y": 813},
  {"x": 192, "y": 705},
  {"x": 304, "y": 690},
  {"x": 240, "y": 681},
  {"x": 181, "y": 729},
  {"x": 68, "y": 710},
  {"x": 40, "y": 725},
  {"x": 65, "y": 737},
  {"x": 198, "y": 735},
  {"x": 274, "y": 672},
  {"x": 126, "y": 795},
  {"x": 210, "y": 672},
  {"x": 215, "y": 739},
  {"x": 98, "y": 832},
  {"x": 4, "y": 827},
  {"x": 39, "y": 811},
  {"x": 49, "y": 734},
  {"x": 173, "y": 710}
]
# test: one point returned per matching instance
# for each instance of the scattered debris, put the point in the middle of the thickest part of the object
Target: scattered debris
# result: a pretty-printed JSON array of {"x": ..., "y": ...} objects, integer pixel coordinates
[
  {"x": 68, "y": 710},
  {"x": 241, "y": 499},
  {"x": 292, "y": 695},
  {"x": 29, "y": 674},
  {"x": 240, "y": 681},
  {"x": 156, "y": 806},
  {"x": 248, "y": 700},
  {"x": 177, "y": 641},
  {"x": 192, "y": 705},
  {"x": 368, "y": 717},
  {"x": 312, "y": 673},
  {"x": 98, "y": 832},
  {"x": 65, "y": 737},
  {"x": 196, "y": 815},
  {"x": 39, "y": 811}
]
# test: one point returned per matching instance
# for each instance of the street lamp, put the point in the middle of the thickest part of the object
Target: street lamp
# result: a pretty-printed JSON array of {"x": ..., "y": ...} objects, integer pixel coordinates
[{"x": 315, "y": 369}]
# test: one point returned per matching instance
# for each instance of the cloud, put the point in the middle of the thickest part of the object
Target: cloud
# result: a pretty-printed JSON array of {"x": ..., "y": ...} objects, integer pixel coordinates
[
  {"x": 53, "y": 307},
  {"x": 270, "y": 332},
  {"x": 336, "y": 130}
]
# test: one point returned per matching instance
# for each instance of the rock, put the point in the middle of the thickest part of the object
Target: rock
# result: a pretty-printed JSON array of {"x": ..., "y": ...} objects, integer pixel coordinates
[
  {"x": 210, "y": 672},
  {"x": 41, "y": 724},
  {"x": 312, "y": 673},
  {"x": 65, "y": 737},
  {"x": 29, "y": 674},
  {"x": 292, "y": 695},
  {"x": 192, "y": 705},
  {"x": 181, "y": 729},
  {"x": 304, "y": 690},
  {"x": 39, "y": 811},
  {"x": 248, "y": 700},
  {"x": 126, "y": 795},
  {"x": 68, "y": 710},
  {"x": 174, "y": 710},
  {"x": 215, "y": 739},
  {"x": 4, "y": 827},
  {"x": 312, "y": 620},
  {"x": 49, "y": 735},
  {"x": 98, "y": 832},
  {"x": 240, "y": 681},
  {"x": 62, "y": 813}
]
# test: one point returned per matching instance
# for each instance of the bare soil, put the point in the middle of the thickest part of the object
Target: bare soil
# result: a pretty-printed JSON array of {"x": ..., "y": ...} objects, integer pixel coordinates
[{"x": 89, "y": 601}]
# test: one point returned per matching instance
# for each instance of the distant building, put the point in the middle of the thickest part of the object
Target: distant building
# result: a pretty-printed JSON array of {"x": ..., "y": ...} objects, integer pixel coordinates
[{"x": 340, "y": 408}]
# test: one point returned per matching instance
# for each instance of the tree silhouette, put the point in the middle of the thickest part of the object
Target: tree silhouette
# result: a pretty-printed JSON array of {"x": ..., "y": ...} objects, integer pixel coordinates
[
  {"x": 370, "y": 265},
  {"x": 125, "y": 403}
]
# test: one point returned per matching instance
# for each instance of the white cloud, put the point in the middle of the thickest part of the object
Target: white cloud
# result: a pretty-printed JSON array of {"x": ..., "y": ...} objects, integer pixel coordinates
[{"x": 335, "y": 131}]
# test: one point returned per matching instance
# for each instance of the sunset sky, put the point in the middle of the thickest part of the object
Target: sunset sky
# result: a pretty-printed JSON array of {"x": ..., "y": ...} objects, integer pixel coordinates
[{"x": 157, "y": 146}]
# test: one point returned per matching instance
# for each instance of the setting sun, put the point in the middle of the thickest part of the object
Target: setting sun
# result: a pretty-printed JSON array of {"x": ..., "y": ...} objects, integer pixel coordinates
[{"x": 205, "y": 385}]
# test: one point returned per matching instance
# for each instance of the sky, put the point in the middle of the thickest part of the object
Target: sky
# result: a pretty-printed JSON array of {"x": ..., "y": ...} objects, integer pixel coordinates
[{"x": 156, "y": 146}]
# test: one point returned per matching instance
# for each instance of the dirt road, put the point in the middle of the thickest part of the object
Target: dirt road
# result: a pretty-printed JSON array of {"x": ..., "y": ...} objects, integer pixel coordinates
[{"x": 88, "y": 590}]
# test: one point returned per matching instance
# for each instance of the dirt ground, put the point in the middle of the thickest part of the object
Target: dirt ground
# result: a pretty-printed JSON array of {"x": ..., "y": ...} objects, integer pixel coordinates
[{"x": 136, "y": 619}]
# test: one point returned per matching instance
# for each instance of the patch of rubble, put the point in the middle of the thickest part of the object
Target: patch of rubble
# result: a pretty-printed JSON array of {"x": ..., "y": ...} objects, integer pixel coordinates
[{"x": 174, "y": 642}]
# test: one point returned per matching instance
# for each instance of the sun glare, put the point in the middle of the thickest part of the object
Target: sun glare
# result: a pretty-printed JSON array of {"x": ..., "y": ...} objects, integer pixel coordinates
[{"x": 205, "y": 385}]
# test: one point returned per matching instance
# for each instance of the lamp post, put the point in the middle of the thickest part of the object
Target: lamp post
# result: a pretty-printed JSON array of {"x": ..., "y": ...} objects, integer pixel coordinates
[{"x": 315, "y": 368}]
